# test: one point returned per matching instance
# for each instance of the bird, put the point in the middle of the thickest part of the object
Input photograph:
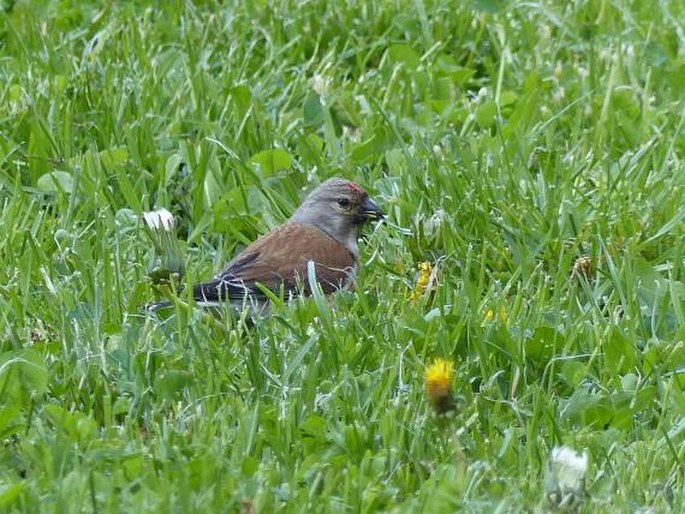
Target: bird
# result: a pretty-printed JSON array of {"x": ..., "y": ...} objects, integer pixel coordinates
[{"x": 323, "y": 232}]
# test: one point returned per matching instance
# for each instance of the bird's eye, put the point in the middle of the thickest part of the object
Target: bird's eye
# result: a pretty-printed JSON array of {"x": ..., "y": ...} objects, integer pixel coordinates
[{"x": 343, "y": 202}]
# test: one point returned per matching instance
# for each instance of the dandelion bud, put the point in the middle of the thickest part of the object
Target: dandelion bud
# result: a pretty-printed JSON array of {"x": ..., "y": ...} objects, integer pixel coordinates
[{"x": 582, "y": 267}]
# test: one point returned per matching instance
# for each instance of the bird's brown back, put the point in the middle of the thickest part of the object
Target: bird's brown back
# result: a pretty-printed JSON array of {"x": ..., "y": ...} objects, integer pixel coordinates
[{"x": 280, "y": 259}]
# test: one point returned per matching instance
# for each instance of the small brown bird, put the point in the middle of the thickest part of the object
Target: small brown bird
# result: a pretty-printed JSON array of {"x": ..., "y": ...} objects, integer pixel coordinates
[{"x": 323, "y": 230}]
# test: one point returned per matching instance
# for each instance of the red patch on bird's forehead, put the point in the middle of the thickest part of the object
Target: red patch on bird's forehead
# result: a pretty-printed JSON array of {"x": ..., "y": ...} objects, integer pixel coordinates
[{"x": 355, "y": 188}]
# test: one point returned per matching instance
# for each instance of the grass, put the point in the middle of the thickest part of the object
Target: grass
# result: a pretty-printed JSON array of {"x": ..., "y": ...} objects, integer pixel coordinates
[{"x": 506, "y": 140}]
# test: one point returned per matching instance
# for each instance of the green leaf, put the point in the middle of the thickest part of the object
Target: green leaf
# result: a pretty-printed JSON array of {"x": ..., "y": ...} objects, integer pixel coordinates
[
  {"x": 345, "y": 110},
  {"x": 56, "y": 181},
  {"x": 9, "y": 493},
  {"x": 272, "y": 161},
  {"x": 507, "y": 98},
  {"x": 588, "y": 407},
  {"x": 489, "y": 6},
  {"x": 242, "y": 99},
  {"x": 396, "y": 161},
  {"x": 369, "y": 151},
  {"x": 77, "y": 426},
  {"x": 113, "y": 157},
  {"x": 455, "y": 71},
  {"x": 314, "y": 426},
  {"x": 312, "y": 111},
  {"x": 655, "y": 54},
  {"x": 23, "y": 375},
  {"x": 404, "y": 54},
  {"x": 442, "y": 89},
  {"x": 625, "y": 101},
  {"x": 212, "y": 189},
  {"x": 544, "y": 342},
  {"x": 310, "y": 149},
  {"x": 10, "y": 417},
  {"x": 172, "y": 383},
  {"x": 172, "y": 167},
  {"x": 39, "y": 150},
  {"x": 573, "y": 372},
  {"x": 250, "y": 465},
  {"x": 620, "y": 353},
  {"x": 485, "y": 115}
]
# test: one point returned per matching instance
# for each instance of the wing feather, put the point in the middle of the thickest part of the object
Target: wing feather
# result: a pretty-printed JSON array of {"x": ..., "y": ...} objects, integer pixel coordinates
[{"x": 280, "y": 259}]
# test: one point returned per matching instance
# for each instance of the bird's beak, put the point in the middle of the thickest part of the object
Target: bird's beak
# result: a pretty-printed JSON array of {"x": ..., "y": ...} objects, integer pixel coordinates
[{"x": 370, "y": 211}]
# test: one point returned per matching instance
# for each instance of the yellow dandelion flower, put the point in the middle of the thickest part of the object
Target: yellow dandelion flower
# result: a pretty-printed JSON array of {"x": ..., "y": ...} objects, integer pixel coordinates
[
  {"x": 438, "y": 378},
  {"x": 425, "y": 274},
  {"x": 501, "y": 315}
]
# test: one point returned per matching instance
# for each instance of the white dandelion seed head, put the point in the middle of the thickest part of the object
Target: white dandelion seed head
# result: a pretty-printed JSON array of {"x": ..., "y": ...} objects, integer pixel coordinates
[
  {"x": 151, "y": 220},
  {"x": 159, "y": 219},
  {"x": 166, "y": 218},
  {"x": 568, "y": 467},
  {"x": 322, "y": 400},
  {"x": 320, "y": 84},
  {"x": 559, "y": 94},
  {"x": 545, "y": 32}
]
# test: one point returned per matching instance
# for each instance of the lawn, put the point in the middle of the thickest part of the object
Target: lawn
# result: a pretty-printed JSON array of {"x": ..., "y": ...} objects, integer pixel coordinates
[{"x": 530, "y": 157}]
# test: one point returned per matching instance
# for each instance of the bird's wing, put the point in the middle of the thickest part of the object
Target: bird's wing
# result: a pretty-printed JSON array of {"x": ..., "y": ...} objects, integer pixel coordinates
[{"x": 280, "y": 259}]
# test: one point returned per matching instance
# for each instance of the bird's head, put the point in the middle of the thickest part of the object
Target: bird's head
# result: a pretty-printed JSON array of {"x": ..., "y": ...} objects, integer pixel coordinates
[{"x": 339, "y": 208}]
